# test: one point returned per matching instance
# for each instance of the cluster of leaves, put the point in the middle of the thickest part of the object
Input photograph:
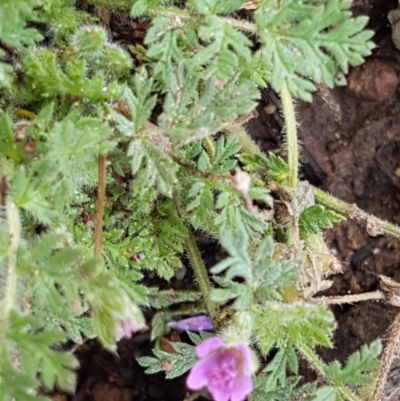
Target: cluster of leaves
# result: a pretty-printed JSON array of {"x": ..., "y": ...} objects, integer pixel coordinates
[{"x": 71, "y": 95}]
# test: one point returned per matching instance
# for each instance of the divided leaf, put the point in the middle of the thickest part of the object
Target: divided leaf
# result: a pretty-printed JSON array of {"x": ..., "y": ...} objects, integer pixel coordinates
[
  {"x": 174, "y": 365},
  {"x": 359, "y": 364},
  {"x": 152, "y": 166},
  {"x": 299, "y": 324},
  {"x": 310, "y": 40},
  {"x": 316, "y": 217}
]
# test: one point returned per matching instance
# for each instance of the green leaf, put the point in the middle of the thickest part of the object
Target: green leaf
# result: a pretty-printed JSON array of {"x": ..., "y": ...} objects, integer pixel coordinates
[
  {"x": 140, "y": 104},
  {"x": 312, "y": 325},
  {"x": 253, "y": 162},
  {"x": 155, "y": 166},
  {"x": 164, "y": 298},
  {"x": 190, "y": 114},
  {"x": 277, "y": 168},
  {"x": 359, "y": 364},
  {"x": 327, "y": 393},
  {"x": 233, "y": 215},
  {"x": 277, "y": 367},
  {"x": 239, "y": 262},
  {"x": 226, "y": 46},
  {"x": 209, "y": 7},
  {"x": 310, "y": 40},
  {"x": 19, "y": 386},
  {"x": 173, "y": 365},
  {"x": 159, "y": 236},
  {"x": 201, "y": 202},
  {"x": 264, "y": 390},
  {"x": 315, "y": 217},
  {"x": 38, "y": 356}
]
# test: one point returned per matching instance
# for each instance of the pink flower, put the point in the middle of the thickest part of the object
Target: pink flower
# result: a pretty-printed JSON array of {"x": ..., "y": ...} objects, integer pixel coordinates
[
  {"x": 224, "y": 370},
  {"x": 129, "y": 322},
  {"x": 126, "y": 328},
  {"x": 196, "y": 323}
]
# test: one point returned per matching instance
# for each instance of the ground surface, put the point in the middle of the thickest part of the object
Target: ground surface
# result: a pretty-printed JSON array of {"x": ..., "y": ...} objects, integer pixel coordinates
[{"x": 351, "y": 148}]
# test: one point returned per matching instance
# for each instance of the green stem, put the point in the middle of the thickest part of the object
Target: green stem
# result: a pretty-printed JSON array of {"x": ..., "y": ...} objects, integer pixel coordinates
[
  {"x": 201, "y": 275},
  {"x": 199, "y": 269},
  {"x": 291, "y": 136},
  {"x": 293, "y": 162},
  {"x": 356, "y": 214},
  {"x": 173, "y": 12},
  {"x": 321, "y": 197},
  {"x": 14, "y": 234},
  {"x": 319, "y": 366}
]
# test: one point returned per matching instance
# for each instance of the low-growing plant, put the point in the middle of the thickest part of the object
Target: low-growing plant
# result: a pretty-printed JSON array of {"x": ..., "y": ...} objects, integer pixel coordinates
[{"x": 111, "y": 158}]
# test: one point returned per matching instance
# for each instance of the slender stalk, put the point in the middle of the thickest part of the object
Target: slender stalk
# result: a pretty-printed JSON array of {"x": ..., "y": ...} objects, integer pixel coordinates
[
  {"x": 325, "y": 199},
  {"x": 201, "y": 275},
  {"x": 348, "y": 299},
  {"x": 199, "y": 269},
  {"x": 101, "y": 194},
  {"x": 291, "y": 136},
  {"x": 209, "y": 147},
  {"x": 293, "y": 162},
  {"x": 13, "y": 224},
  {"x": 318, "y": 366},
  {"x": 173, "y": 12},
  {"x": 387, "y": 357},
  {"x": 374, "y": 225}
]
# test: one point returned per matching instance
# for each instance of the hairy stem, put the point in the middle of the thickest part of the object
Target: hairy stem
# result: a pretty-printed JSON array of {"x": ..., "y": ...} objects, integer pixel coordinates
[
  {"x": 387, "y": 357},
  {"x": 173, "y": 12},
  {"x": 291, "y": 136},
  {"x": 318, "y": 366},
  {"x": 201, "y": 275},
  {"x": 199, "y": 269},
  {"x": 374, "y": 225},
  {"x": 101, "y": 194},
  {"x": 293, "y": 162},
  {"x": 325, "y": 199},
  {"x": 348, "y": 299},
  {"x": 13, "y": 224}
]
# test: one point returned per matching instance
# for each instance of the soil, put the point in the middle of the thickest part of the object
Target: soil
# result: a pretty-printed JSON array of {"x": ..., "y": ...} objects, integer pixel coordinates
[{"x": 351, "y": 148}]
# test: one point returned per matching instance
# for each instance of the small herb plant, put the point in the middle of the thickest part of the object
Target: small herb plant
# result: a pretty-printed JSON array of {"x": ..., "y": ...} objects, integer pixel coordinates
[{"x": 110, "y": 160}]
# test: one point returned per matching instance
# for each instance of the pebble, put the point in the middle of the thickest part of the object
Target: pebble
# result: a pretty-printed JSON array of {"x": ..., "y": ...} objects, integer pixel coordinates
[{"x": 373, "y": 81}]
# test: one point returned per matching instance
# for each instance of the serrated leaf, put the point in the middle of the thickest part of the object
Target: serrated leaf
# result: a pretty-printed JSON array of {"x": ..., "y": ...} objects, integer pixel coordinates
[
  {"x": 201, "y": 202},
  {"x": 140, "y": 104},
  {"x": 233, "y": 215},
  {"x": 315, "y": 217},
  {"x": 312, "y": 325},
  {"x": 156, "y": 166},
  {"x": 355, "y": 372},
  {"x": 38, "y": 356},
  {"x": 277, "y": 168},
  {"x": 221, "y": 61},
  {"x": 310, "y": 40},
  {"x": 327, "y": 393},
  {"x": 173, "y": 365},
  {"x": 277, "y": 367},
  {"x": 165, "y": 298},
  {"x": 253, "y": 162}
]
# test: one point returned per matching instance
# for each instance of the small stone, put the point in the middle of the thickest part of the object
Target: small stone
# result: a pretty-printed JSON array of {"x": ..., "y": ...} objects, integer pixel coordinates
[
  {"x": 373, "y": 81},
  {"x": 337, "y": 135},
  {"x": 397, "y": 172},
  {"x": 270, "y": 108}
]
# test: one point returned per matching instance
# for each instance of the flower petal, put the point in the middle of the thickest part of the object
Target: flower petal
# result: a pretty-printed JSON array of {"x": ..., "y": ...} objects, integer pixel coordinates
[
  {"x": 198, "y": 376},
  {"x": 242, "y": 388},
  {"x": 208, "y": 346},
  {"x": 248, "y": 362},
  {"x": 195, "y": 323},
  {"x": 219, "y": 394}
]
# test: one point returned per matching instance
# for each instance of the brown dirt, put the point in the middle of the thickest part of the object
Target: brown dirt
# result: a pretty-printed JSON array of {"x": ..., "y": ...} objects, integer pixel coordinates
[{"x": 351, "y": 148}]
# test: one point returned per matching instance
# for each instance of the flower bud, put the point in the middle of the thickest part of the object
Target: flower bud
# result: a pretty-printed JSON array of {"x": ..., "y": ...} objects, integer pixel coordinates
[{"x": 89, "y": 40}]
